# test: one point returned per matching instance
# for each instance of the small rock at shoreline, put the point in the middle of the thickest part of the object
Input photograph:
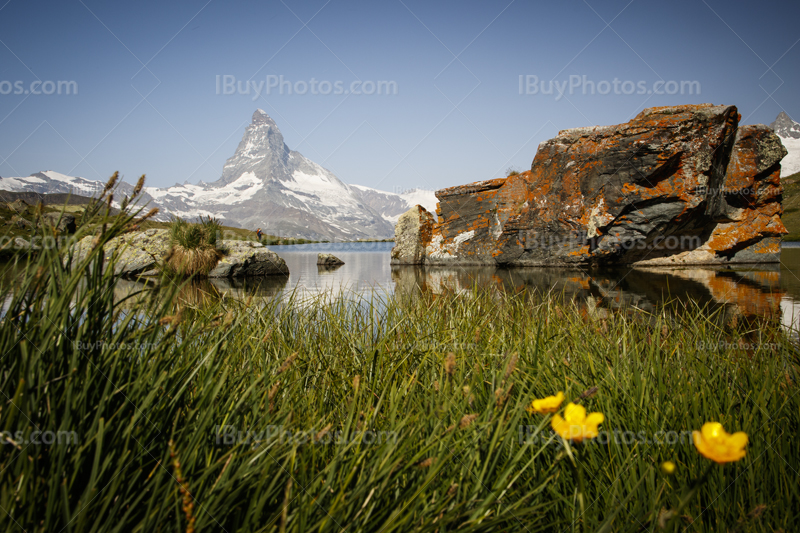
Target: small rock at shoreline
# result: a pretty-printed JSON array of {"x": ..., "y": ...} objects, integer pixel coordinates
[{"x": 328, "y": 260}]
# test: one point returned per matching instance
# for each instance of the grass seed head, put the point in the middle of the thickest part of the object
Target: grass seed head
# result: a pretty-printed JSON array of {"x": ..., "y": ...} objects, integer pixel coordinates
[
  {"x": 150, "y": 214},
  {"x": 324, "y": 431},
  {"x": 111, "y": 182},
  {"x": 287, "y": 363},
  {"x": 499, "y": 396},
  {"x": 139, "y": 186},
  {"x": 273, "y": 390},
  {"x": 588, "y": 393},
  {"x": 450, "y": 364},
  {"x": 427, "y": 462},
  {"x": 466, "y": 420},
  {"x": 172, "y": 320},
  {"x": 512, "y": 364}
]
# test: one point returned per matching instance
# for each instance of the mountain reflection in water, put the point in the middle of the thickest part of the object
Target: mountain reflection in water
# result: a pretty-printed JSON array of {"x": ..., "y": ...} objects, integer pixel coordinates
[{"x": 767, "y": 290}]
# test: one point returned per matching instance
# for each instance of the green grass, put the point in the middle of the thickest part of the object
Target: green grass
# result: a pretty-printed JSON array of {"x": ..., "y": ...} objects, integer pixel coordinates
[
  {"x": 791, "y": 206},
  {"x": 151, "y": 388},
  {"x": 193, "y": 247}
]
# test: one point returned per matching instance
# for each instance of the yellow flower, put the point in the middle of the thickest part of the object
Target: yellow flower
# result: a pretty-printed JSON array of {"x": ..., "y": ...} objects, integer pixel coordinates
[
  {"x": 576, "y": 425},
  {"x": 668, "y": 467},
  {"x": 714, "y": 443},
  {"x": 546, "y": 405}
]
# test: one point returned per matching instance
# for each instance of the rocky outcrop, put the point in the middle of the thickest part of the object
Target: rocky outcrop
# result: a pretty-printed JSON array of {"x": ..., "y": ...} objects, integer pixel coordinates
[
  {"x": 62, "y": 222},
  {"x": 20, "y": 222},
  {"x": 247, "y": 259},
  {"x": 674, "y": 186},
  {"x": 412, "y": 235},
  {"x": 139, "y": 253},
  {"x": 328, "y": 260},
  {"x": 134, "y": 254}
]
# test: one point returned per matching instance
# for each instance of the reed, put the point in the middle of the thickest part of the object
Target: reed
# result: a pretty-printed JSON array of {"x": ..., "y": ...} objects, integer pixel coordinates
[
  {"x": 194, "y": 249},
  {"x": 377, "y": 413}
]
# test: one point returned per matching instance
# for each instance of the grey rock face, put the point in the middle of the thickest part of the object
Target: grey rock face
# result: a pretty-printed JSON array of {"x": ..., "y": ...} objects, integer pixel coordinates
[
  {"x": 20, "y": 222},
  {"x": 411, "y": 236},
  {"x": 328, "y": 260},
  {"x": 133, "y": 254},
  {"x": 63, "y": 222},
  {"x": 139, "y": 253},
  {"x": 18, "y": 206},
  {"x": 785, "y": 126},
  {"x": 245, "y": 259}
]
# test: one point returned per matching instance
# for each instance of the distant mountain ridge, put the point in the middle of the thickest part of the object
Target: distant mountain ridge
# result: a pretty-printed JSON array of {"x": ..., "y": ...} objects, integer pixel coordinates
[
  {"x": 789, "y": 132},
  {"x": 784, "y": 126},
  {"x": 267, "y": 185}
]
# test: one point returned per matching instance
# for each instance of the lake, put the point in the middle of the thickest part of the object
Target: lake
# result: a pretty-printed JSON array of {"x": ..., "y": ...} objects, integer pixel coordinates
[{"x": 766, "y": 290}]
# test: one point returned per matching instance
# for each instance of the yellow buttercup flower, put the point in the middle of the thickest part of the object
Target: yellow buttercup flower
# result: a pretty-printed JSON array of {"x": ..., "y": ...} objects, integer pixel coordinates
[
  {"x": 546, "y": 405},
  {"x": 714, "y": 443},
  {"x": 576, "y": 425},
  {"x": 668, "y": 467}
]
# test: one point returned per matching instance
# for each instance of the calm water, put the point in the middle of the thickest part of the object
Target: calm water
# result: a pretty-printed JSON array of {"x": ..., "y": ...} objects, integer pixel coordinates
[
  {"x": 750, "y": 290},
  {"x": 764, "y": 290}
]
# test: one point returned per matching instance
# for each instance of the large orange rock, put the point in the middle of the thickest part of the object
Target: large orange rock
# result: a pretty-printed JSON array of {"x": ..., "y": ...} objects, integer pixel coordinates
[{"x": 675, "y": 185}]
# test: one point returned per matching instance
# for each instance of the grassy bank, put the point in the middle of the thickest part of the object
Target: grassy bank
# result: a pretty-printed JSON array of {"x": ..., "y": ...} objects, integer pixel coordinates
[
  {"x": 791, "y": 206},
  {"x": 374, "y": 414}
]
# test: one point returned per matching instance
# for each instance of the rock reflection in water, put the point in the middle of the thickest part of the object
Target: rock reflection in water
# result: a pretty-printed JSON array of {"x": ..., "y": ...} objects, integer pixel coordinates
[
  {"x": 201, "y": 291},
  {"x": 328, "y": 269},
  {"x": 741, "y": 292}
]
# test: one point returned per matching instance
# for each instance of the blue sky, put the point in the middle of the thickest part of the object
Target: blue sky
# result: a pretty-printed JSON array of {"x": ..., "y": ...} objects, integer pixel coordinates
[{"x": 150, "y": 80}]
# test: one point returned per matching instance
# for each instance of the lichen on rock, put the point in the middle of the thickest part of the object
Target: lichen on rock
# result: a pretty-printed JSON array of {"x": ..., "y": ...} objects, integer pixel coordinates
[
  {"x": 412, "y": 235},
  {"x": 676, "y": 185}
]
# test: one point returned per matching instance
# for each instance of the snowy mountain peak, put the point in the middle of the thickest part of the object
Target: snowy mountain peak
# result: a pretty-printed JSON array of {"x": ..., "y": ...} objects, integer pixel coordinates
[
  {"x": 789, "y": 132},
  {"x": 261, "y": 116},
  {"x": 265, "y": 184},
  {"x": 261, "y": 151},
  {"x": 785, "y": 127}
]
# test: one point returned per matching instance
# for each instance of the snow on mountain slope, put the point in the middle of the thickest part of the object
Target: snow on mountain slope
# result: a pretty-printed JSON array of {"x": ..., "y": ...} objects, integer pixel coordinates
[
  {"x": 267, "y": 185},
  {"x": 791, "y": 163},
  {"x": 392, "y": 205},
  {"x": 424, "y": 197},
  {"x": 789, "y": 132},
  {"x": 52, "y": 182}
]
